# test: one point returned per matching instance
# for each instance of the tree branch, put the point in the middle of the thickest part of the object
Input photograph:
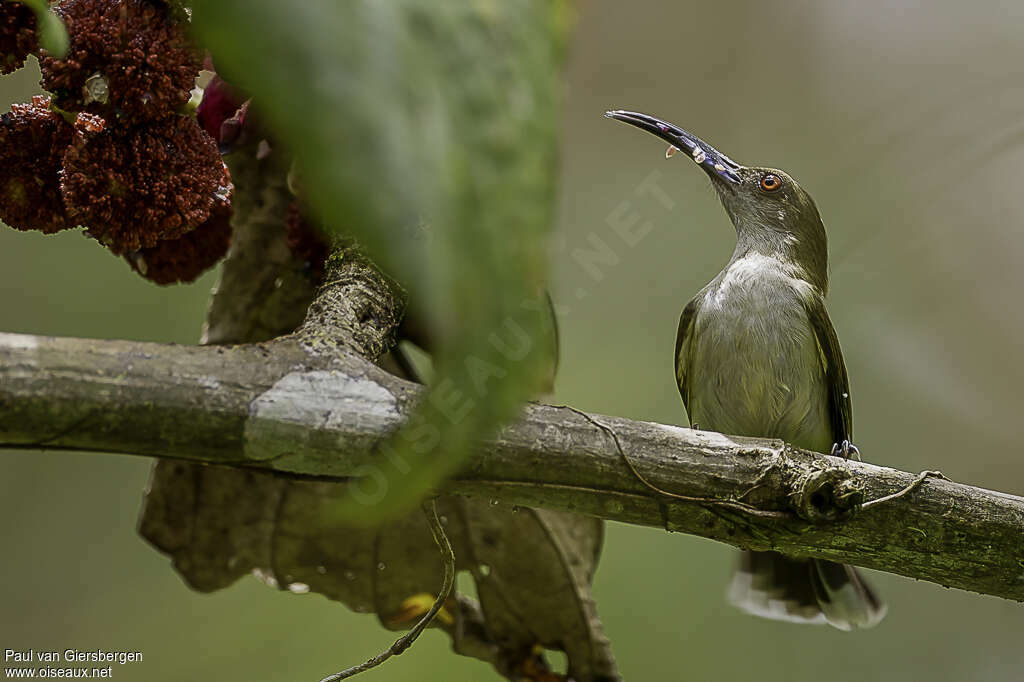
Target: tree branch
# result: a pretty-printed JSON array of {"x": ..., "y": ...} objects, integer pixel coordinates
[{"x": 284, "y": 407}]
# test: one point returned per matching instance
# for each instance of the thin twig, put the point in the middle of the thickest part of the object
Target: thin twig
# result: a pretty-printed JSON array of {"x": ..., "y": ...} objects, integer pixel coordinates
[
  {"x": 913, "y": 485},
  {"x": 406, "y": 640},
  {"x": 731, "y": 504},
  {"x": 735, "y": 504}
]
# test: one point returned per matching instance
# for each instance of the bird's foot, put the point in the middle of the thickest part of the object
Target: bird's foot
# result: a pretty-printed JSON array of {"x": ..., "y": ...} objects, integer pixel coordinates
[{"x": 846, "y": 450}]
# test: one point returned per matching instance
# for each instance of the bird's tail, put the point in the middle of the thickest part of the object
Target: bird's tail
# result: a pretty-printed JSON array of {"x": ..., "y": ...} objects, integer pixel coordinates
[{"x": 772, "y": 585}]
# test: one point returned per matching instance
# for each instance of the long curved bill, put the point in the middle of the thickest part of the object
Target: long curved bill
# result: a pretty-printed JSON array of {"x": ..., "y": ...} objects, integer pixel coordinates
[{"x": 715, "y": 163}]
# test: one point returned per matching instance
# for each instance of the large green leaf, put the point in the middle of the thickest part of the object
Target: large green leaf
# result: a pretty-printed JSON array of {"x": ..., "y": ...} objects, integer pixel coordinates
[
  {"x": 53, "y": 36},
  {"x": 426, "y": 129}
]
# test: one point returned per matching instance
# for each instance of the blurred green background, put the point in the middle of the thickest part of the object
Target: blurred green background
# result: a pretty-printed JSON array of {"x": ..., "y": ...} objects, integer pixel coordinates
[{"x": 905, "y": 121}]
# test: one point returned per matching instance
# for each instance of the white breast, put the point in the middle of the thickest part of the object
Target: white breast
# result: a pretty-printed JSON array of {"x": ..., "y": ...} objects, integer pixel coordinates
[
  {"x": 755, "y": 368},
  {"x": 743, "y": 274}
]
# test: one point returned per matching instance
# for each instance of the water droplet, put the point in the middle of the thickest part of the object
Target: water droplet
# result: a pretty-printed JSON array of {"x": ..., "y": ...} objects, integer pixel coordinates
[
  {"x": 350, "y": 575},
  {"x": 381, "y": 566},
  {"x": 444, "y": 520},
  {"x": 515, "y": 508},
  {"x": 298, "y": 588},
  {"x": 484, "y": 570},
  {"x": 265, "y": 577},
  {"x": 494, "y": 503},
  {"x": 96, "y": 89},
  {"x": 322, "y": 570}
]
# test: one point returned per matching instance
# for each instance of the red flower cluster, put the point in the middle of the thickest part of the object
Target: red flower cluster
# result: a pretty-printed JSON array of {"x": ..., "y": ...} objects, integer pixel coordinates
[
  {"x": 146, "y": 182},
  {"x": 136, "y": 186},
  {"x": 17, "y": 35},
  {"x": 223, "y": 113},
  {"x": 185, "y": 258},
  {"x": 128, "y": 60},
  {"x": 32, "y": 143}
]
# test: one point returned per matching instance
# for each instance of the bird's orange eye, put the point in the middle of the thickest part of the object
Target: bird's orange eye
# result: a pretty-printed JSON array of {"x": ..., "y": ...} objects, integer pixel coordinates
[{"x": 770, "y": 182}]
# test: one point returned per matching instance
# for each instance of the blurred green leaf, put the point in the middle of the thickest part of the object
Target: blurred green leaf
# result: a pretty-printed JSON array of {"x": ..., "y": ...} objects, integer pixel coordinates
[
  {"x": 410, "y": 113},
  {"x": 53, "y": 36}
]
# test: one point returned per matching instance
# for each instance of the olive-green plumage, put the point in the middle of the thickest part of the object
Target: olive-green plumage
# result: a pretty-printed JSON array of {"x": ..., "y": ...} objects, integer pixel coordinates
[{"x": 756, "y": 355}]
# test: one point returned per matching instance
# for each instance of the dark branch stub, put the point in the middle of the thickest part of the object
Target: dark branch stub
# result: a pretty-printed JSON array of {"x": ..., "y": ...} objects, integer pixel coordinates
[{"x": 825, "y": 494}]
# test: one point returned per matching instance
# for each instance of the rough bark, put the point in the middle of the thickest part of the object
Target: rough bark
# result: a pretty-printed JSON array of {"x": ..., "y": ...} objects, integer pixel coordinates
[{"x": 284, "y": 407}]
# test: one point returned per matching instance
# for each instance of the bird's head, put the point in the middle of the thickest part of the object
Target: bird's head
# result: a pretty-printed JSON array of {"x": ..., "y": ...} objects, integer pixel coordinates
[{"x": 771, "y": 211}]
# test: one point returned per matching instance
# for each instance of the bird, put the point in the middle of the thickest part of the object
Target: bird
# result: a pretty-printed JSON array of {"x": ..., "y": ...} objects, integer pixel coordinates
[{"x": 757, "y": 355}]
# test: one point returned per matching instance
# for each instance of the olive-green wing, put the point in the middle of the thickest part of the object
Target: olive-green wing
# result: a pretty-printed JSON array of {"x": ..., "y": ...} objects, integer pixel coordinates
[
  {"x": 684, "y": 351},
  {"x": 831, "y": 356}
]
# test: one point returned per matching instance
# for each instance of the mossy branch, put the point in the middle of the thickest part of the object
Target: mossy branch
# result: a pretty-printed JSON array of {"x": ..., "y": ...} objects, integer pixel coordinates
[{"x": 284, "y": 407}]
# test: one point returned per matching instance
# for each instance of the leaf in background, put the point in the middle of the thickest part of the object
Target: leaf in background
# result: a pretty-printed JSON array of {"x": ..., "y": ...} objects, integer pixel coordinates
[
  {"x": 410, "y": 111},
  {"x": 532, "y": 568}
]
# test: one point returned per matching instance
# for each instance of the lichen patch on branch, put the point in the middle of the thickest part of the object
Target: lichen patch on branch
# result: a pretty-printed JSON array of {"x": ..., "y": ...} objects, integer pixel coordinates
[{"x": 323, "y": 397}]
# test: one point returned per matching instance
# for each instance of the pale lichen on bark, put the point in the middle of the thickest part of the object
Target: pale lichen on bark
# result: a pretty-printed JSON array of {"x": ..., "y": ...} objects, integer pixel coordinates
[{"x": 356, "y": 307}]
